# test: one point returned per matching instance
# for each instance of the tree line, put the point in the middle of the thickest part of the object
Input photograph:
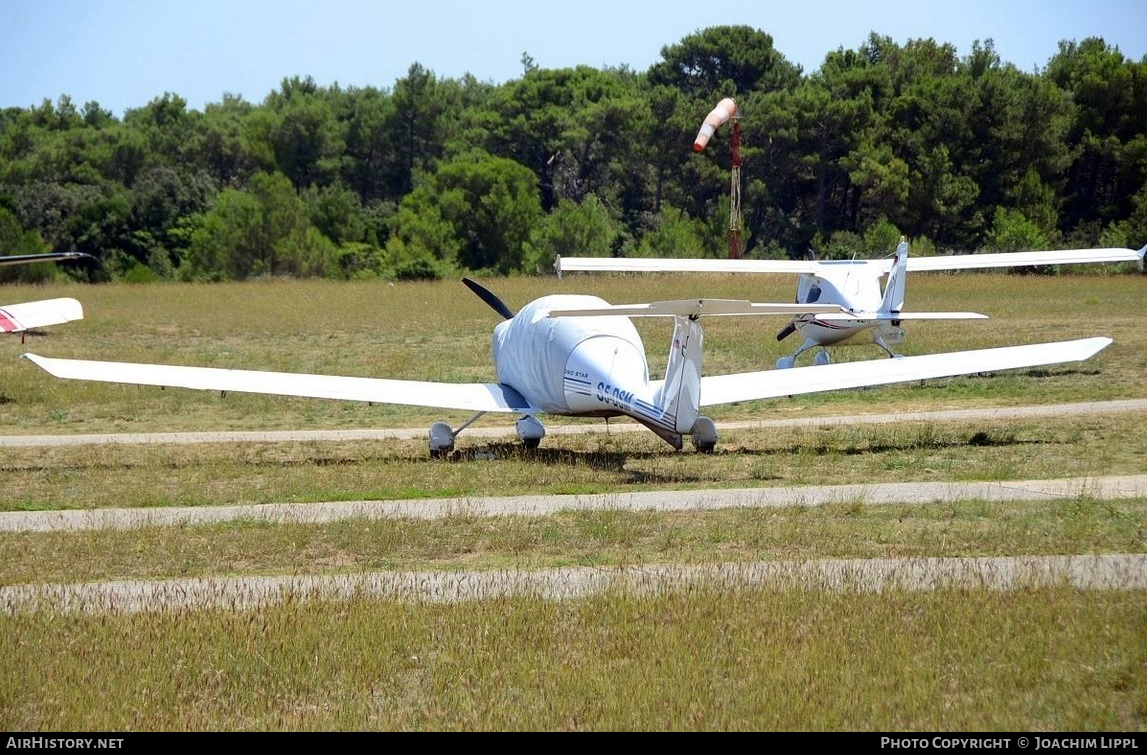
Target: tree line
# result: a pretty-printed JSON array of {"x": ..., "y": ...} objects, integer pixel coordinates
[{"x": 436, "y": 176}]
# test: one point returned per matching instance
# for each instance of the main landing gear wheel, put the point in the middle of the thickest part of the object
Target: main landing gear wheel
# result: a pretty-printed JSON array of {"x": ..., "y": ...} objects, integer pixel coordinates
[
  {"x": 441, "y": 440},
  {"x": 704, "y": 435}
]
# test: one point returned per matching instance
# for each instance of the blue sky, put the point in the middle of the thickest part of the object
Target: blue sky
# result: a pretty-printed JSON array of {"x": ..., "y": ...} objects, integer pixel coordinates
[{"x": 124, "y": 53}]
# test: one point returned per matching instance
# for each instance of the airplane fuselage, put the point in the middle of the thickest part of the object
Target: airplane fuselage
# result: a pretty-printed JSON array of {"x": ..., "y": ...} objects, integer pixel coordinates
[
  {"x": 849, "y": 284},
  {"x": 835, "y": 333},
  {"x": 584, "y": 366}
]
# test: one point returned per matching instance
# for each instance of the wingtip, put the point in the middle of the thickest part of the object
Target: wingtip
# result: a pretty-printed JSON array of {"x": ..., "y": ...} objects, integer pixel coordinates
[{"x": 1096, "y": 344}]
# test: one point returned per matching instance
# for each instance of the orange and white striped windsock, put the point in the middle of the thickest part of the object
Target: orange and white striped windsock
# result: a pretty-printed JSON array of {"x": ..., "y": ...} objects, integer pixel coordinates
[{"x": 725, "y": 110}]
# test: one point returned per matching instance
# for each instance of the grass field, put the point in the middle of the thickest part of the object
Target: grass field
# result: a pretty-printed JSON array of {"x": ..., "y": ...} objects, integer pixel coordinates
[{"x": 702, "y": 657}]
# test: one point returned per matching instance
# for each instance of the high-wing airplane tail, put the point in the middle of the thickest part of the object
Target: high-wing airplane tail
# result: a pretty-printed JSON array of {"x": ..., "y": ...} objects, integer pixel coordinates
[
  {"x": 893, "y": 300},
  {"x": 680, "y": 395}
]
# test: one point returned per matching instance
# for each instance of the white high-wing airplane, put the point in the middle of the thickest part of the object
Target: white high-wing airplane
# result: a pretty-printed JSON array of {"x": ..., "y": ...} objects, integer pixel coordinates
[
  {"x": 19, "y": 318},
  {"x": 856, "y": 285},
  {"x": 577, "y": 355}
]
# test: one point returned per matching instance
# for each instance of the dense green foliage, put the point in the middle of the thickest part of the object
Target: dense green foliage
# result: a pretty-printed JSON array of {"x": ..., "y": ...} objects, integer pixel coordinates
[{"x": 434, "y": 176}]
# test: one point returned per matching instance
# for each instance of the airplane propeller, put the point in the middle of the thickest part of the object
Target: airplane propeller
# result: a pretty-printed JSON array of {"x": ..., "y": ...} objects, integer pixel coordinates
[
  {"x": 488, "y": 296},
  {"x": 787, "y": 330}
]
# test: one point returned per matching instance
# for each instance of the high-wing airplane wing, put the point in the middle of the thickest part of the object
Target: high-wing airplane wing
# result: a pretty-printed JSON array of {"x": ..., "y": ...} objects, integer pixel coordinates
[
  {"x": 1024, "y": 259},
  {"x": 725, "y": 389},
  {"x": 477, "y": 397},
  {"x": 23, "y": 259},
  {"x": 939, "y": 262},
  {"x": 675, "y": 265},
  {"x": 15, "y": 318}
]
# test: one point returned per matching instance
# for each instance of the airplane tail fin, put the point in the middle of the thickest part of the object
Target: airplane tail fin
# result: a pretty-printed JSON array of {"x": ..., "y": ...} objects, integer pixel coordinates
[
  {"x": 893, "y": 300},
  {"x": 680, "y": 396}
]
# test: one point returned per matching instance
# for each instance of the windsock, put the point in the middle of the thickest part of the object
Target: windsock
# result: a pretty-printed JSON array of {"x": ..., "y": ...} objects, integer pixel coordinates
[{"x": 725, "y": 109}]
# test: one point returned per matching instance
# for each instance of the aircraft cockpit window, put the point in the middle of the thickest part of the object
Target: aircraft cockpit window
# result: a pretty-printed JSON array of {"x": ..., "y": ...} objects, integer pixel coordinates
[{"x": 813, "y": 295}]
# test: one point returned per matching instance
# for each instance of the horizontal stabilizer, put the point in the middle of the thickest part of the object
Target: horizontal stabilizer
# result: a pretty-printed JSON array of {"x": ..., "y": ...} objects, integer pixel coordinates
[
  {"x": 697, "y": 308},
  {"x": 726, "y": 389},
  {"x": 36, "y": 314},
  {"x": 853, "y": 316},
  {"x": 476, "y": 397}
]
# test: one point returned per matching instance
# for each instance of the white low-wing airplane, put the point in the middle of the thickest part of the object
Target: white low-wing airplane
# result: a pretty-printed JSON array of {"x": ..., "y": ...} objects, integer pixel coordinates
[
  {"x": 855, "y": 285},
  {"x": 19, "y": 318},
  {"x": 577, "y": 355}
]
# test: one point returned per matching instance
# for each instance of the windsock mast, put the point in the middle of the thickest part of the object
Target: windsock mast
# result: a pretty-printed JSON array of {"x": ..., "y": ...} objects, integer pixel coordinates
[
  {"x": 736, "y": 246},
  {"x": 727, "y": 109}
]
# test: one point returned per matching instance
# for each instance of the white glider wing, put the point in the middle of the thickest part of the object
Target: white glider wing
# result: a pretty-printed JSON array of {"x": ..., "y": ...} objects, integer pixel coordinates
[
  {"x": 477, "y": 397},
  {"x": 36, "y": 314},
  {"x": 726, "y": 389}
]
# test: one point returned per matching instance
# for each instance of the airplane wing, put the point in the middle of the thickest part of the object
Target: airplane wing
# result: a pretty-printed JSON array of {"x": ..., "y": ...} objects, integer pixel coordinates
[
  {"x": 476, "y": 397},
  {"x": 696, "y": 308},
  {"x": 675, "y": 265},
  {"x": 1023, "y": 259},
  {"x": 36, "y": 314},
  {"x": 748, "y": 386},
  {"x": 21, "y": 259},
  {"x": 884, "y": 265}
]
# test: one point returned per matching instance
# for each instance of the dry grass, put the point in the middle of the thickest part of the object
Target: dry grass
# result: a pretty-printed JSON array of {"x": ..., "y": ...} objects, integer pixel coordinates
[
  {"x": 706, "y": 657},
  {"x": 441, "y": 331},
  {"x": 209, "y": 474}
]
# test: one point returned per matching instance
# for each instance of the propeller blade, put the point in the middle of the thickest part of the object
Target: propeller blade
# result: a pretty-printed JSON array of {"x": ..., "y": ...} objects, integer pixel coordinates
[
  {"x": 787, "y": 330},
  {"x": 488, "y": 296}
]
